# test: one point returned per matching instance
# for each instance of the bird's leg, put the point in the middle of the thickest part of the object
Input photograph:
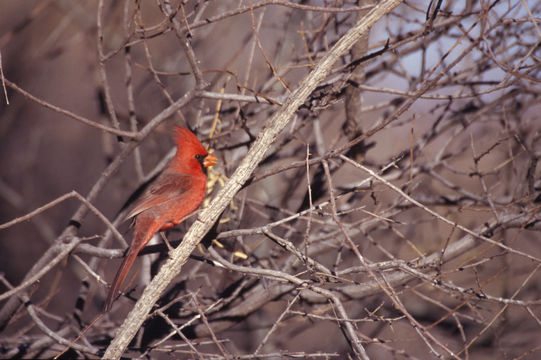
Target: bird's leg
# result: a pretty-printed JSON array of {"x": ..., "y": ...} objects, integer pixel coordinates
[{"x": 164, "y": 238}]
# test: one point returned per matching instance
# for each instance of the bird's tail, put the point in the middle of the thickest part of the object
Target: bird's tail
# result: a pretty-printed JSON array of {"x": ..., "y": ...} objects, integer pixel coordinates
[
  {"x": 121, "y": 274},
  {"x": 145, "y": 228}
]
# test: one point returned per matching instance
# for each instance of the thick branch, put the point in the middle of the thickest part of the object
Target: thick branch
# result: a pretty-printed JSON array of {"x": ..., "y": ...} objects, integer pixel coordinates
[{"x": 256, "y": 153}]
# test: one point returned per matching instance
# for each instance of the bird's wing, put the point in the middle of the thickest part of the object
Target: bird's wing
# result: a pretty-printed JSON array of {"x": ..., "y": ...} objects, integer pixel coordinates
[{"x": 166, "y": 187}]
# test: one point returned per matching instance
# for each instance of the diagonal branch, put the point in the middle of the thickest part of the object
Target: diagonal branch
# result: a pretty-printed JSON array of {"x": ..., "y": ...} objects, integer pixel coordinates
[{"x": 256, "y": 153}]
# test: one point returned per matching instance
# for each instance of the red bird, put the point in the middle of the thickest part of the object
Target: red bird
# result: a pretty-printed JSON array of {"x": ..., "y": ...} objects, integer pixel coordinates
[{"x": 176, "y": 193}]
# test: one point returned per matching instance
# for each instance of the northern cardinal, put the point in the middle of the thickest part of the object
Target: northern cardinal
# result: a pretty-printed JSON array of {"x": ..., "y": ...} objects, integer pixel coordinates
[{"x": 173, "y": 195}]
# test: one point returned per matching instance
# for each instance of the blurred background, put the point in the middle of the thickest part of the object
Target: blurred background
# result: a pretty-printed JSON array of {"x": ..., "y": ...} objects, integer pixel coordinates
[{"x": 440, "y": 99}]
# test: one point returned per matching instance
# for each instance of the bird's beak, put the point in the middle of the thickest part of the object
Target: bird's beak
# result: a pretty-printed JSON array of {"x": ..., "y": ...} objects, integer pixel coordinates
[{"x": 210, "y": 160}]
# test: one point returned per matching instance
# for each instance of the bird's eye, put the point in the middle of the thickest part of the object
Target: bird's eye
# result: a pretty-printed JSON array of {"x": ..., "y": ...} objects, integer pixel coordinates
[{"x": 199, "y": 157}]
